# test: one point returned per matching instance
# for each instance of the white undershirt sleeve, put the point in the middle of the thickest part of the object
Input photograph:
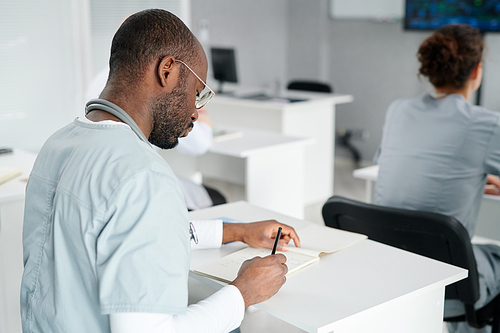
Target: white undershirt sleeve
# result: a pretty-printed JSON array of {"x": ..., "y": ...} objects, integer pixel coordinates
[
  {"x": 209, "y": 234},
  {"x": 222, "y": 312},
  {"x": 198, "y": 142}
]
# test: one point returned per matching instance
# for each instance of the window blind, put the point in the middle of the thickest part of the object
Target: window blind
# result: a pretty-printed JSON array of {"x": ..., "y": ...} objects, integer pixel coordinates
[
  {"x": 49, "y": 52},
  {"x": 40, "y": 71}
]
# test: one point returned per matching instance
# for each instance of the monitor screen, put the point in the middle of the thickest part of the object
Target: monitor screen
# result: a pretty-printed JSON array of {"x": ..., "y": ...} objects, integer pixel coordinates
[
  {"x": 432, "y": 14},
  {"x": 224, "y": 65}
]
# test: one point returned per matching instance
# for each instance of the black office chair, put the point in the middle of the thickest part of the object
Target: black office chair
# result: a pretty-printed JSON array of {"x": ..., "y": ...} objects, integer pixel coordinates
[
  {"x": 429, "y": 234},
  {"x": 310, "y": 86}
]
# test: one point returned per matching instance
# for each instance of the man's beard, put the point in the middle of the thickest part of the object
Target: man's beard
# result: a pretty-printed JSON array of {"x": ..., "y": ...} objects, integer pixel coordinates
[{"x": 171, "y": 118}]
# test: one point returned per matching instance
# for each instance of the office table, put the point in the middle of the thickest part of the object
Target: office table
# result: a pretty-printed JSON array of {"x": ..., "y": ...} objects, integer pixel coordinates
[
  {"x": 270, "y": 166},
  {"x": 487, "y": 227},
  {"x": 314, "y": 117},
  {"x": 367, "y": 287},
  {"x": 370, "y": 175},
  {"x": 11, "y": 249}
]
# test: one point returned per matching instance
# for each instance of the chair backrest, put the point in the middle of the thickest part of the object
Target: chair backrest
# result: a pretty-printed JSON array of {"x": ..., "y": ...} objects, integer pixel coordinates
[
  {"x": 429, "y": 234},
  {"x": 310, "y": 86}
]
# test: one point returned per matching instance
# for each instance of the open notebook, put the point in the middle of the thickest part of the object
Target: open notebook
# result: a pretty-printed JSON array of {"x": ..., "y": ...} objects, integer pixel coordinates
[{"x": 315, "y": 240}]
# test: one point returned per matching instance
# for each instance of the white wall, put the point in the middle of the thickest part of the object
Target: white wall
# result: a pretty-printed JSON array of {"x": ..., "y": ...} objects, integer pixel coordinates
[
  {"x": 41, "y": 69},
  {"x": 106, "y": 17},
  {"x": 47, "y": 59},
  {"x": 296, "y": 39},
  {"x": 290, "y": 39},
  {"x": 257, "y": 30},
  {"x": 308, "y": 40},
  {"x": 374, "y": 61},
  {"x": 275, "y": 41}
]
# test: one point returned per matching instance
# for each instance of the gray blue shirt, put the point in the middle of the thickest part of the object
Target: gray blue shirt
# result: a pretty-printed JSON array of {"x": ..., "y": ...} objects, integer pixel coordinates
[
  {"x": 435, "y": 155},
  {"x": 105, "y": 230}
]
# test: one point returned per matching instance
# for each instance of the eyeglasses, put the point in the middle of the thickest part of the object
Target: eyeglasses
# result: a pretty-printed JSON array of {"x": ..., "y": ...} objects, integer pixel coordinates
[{"x": 205, "y": 95}]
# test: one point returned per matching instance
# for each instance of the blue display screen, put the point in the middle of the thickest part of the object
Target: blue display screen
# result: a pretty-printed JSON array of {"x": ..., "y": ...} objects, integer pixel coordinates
[{"x": 432, "y": 14}]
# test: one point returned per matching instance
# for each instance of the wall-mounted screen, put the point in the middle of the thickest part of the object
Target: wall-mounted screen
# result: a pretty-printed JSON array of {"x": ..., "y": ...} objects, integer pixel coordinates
[{"x": 432, "y": 14}]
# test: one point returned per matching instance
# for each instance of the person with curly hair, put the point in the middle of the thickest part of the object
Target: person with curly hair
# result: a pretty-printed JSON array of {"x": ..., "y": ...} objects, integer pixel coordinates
[{"x": 438, "y": 150}]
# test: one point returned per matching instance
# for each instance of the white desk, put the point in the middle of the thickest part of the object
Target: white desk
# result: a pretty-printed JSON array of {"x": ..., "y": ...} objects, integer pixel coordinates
[
  {"x": 11, "y": 249},
  {"x": 313, "y": 118},
  {"x": 370, "y": 175},
  {"x": 368, "y": 287},
  {"x": 487, "y": 220},
  {"x": 268, "y": 164}
]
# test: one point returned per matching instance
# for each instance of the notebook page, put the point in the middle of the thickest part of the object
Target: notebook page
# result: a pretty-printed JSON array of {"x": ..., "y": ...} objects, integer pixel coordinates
[
  {"x": 317, "y": 239},
  {"x": 226, "y": 269}
]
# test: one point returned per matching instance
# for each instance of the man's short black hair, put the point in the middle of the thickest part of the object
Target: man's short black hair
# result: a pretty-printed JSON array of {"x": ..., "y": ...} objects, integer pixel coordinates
[{"x": 148, "y": 36}]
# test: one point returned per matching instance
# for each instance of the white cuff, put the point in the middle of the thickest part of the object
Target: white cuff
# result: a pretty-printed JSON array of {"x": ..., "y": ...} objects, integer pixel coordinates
[
  {"x": 209, "y": 234},
  {"x": 198, "y": 142},
  {"x": 220, "y": 313}
]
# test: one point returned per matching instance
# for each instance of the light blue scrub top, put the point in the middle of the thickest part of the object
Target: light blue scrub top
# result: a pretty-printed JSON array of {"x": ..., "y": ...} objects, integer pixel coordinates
[
  {"x": 105, "y": 230},
  {"x": 435, "y": 155}
]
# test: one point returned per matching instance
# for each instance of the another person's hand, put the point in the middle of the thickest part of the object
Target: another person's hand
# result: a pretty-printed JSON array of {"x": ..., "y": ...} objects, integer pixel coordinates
[
  {"x": 492, "y": 185},
  {"x": 260, "y": 234},
  {"x": 260, "y": 278}
]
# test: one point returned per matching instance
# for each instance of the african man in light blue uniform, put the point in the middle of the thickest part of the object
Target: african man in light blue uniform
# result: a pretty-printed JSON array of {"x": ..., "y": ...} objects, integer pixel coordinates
[
  {"x": 106, "y": 231},
  {"x": 438, "y": 149},
  {"x": 126, "y": 207}
]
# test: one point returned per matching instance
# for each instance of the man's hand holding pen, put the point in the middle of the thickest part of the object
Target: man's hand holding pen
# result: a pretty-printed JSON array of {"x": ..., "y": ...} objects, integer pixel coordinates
[{"x": 260, "y": 278}]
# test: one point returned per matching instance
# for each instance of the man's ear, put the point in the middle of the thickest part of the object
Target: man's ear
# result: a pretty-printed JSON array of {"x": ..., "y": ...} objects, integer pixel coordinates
[{"x": 168, "y": 73}]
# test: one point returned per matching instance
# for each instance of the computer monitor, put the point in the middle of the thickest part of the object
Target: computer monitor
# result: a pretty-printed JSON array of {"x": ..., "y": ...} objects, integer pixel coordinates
[
  {"x": 432, "y": 14},
  {"x": 223, "y": 65}
]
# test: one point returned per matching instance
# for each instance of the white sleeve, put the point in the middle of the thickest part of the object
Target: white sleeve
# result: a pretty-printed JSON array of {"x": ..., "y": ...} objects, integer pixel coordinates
[
  {"x": 198, "y": 141},
  {"x": 208, "y": 233},
  {"x": 221, "y": 312}
]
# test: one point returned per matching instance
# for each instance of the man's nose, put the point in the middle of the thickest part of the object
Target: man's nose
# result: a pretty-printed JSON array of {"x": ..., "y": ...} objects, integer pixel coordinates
[{"x": 194, "y": 116}]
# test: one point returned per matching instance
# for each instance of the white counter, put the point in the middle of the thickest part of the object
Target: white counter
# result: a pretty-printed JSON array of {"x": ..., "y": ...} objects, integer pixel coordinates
[{"x": 312, "y": 118}]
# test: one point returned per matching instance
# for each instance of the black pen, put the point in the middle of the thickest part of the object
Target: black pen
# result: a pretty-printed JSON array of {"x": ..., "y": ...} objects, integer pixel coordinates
[{"x": 278, "y": 235}]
